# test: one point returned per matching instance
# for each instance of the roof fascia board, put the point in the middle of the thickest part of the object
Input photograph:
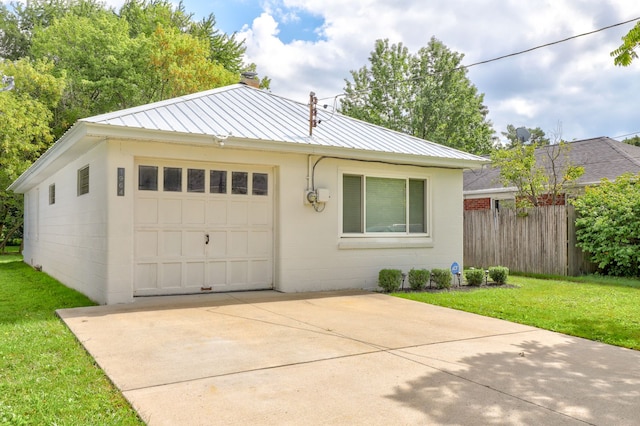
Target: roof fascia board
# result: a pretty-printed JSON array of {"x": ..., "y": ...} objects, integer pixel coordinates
[
  {"x": 59, "y": 154},
  {"x": 105, "y": 130}
]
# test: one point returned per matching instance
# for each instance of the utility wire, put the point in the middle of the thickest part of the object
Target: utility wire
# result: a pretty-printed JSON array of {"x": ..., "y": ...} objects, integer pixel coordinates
[
  {"x": 628, "y": 134},
  {"x": 550, "y": 44},
  {"x": 515, "y": 53}
]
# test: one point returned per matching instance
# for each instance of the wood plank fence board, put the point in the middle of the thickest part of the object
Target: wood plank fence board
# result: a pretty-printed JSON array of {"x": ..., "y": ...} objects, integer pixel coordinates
[{"x": 542, "y": 241}]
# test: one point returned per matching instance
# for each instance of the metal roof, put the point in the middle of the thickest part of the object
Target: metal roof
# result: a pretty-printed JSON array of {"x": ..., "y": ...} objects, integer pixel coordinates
[{"x": 244, "y": 112}]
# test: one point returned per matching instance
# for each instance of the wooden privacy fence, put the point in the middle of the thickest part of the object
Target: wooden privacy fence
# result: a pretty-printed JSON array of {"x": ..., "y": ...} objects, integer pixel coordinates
[{"x": 542, "y": 241}]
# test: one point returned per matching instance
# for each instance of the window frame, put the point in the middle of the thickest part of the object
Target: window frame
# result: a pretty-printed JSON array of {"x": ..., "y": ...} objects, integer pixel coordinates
[
  {"x": 83, "y": 188},
  {"x": 52, "y": 194},
  {"x": 368, "y": 236}
]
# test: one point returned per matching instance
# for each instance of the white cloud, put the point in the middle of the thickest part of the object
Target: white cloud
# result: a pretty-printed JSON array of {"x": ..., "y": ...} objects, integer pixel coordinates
[{"x": 568, "y": 82}]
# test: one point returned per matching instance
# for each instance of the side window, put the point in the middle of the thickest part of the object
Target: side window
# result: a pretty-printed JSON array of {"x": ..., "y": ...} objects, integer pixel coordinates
[
  {"x": 83, "y": 180},
  {"x": 52, "y": 193}
]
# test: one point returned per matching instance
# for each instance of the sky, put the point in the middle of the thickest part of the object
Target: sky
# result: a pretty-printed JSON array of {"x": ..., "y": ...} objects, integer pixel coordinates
[{"x": 571, "y": 90}]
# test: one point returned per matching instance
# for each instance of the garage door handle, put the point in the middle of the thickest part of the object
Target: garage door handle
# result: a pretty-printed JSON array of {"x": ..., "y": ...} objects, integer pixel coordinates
[{"x": 206, "y": 238}]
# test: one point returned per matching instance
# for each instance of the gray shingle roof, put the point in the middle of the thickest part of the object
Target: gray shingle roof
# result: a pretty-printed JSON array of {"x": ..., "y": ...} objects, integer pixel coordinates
[
  {"x": 253, "y": 114},
  {"x": 601, "y": 157}
]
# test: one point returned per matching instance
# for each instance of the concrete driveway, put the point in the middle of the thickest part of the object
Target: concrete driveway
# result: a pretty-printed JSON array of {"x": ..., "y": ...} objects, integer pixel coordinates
[{"x": 349, "y": 358}]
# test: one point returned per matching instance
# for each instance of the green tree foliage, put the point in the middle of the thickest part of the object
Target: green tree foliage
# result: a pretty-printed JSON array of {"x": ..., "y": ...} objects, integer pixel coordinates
[
  {"x": 25, "y": 132},
  {"x": 626, "y": 52},
  {"x": 537, "y": 138},
  {"x": 179, "y": 66},
  {"x": 96, "y": 59},
  {"x": 17, "y": 25},
  {"x": 427, "y": 95},
  {"x": 632, "y": 141},
  {"x": 540, "y": 173},
  {"x": 608, "y": 225},
  {"x": 102, "y": 64}
]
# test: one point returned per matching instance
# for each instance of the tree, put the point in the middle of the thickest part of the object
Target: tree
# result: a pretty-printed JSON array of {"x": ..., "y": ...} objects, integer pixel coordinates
[
  {"x": 25, "y": 132},
  {"x": 381, "y": 94},
  {"x": 626, "y": 52},
  {"x": 104, "y": 66},
  {"x": 145, "y": 16},
  {"x": 179, "y": 65},
  {"x": 608, "y": 225},
  {"x": 109, "y": 66},
  {"x": 632, "y": 141},
  {"x": 427, "y": 95},
  {"x": 541, "y": 174},
  {"x": 17, "y": 26},
  {"x": 537, "y": 137}
]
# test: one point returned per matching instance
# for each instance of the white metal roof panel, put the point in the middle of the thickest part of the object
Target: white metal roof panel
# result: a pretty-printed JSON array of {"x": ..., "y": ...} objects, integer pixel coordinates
[{"x": 255, "y": 114}]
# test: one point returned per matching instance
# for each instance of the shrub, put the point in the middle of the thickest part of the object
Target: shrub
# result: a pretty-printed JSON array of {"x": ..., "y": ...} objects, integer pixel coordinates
[
  {"x": 418, "y": 278},
  {"x": 499, "y": 274},
  {"x": 474, "y": 276},
  {"x": 390, "y": 279},
  {"x": 608, "y": 225},
  {"x": 442, "y": 277}
]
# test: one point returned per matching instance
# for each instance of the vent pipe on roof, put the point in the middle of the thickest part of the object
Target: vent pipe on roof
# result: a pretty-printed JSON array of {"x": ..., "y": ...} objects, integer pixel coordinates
[{"x": 250, "y": 79}]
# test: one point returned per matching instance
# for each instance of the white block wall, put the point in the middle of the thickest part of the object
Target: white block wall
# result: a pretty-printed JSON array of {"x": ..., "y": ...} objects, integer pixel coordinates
[{"x": 87, "y": 242}]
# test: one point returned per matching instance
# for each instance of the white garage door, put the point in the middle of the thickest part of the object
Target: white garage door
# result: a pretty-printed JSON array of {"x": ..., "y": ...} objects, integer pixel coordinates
[{"x": 201, "y": 228}]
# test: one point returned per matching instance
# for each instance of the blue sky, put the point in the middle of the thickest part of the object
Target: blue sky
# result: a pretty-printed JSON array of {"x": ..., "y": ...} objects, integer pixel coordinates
[{"x": 232, "y": 15}]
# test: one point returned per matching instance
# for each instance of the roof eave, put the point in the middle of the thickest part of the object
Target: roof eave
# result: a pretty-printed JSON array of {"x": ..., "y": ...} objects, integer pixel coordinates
[
  {"x": 71, "y": 145},
  {"x": 231, "y": 142}
]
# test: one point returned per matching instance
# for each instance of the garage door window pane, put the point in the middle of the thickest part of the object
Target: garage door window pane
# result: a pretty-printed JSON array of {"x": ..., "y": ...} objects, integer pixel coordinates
[
  {"x": 239, "y": 182},
  {"x": 148, "y": 178},
  {"x": 260, "y": 184},
  {"x": 173, "y": 179},
  {"x": 195, "y": 180},
  {"x": 218, "y": 182}
]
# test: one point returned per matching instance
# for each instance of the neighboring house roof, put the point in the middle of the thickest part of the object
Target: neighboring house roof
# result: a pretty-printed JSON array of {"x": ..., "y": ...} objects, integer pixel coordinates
[
  {"x": 249, "y": 118},
  {"x": 601, "y": 157}
]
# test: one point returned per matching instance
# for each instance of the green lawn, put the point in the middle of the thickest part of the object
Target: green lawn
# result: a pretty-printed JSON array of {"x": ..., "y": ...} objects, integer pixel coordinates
[
  {"x": 605, "y": 310},
  {"x": 46, "y": 377}
]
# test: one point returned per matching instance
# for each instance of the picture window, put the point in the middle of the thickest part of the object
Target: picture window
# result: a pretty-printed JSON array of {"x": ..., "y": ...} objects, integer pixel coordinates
[{"x": 383, "y": 205}]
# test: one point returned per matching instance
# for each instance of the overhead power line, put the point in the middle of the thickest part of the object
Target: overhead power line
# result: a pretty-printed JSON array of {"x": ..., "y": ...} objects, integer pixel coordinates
[
  {"x": 498, "y": 58},
  {"x": 628, "y": 134},
  {"x": 550, "y": 44}
]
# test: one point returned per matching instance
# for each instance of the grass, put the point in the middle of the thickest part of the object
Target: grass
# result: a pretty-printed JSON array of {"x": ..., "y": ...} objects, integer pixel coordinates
[
  {"x": 46, "y": 377},
  {"x": 596, "y": 308}
]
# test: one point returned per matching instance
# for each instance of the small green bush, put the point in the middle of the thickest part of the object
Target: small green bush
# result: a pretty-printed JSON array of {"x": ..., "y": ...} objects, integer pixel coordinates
[
  {"x": 390, "y": 279},
  {"x": 442, "y": 277},
  {"x": 418, "y": 278},
  {"x": 474, "y": 276},
  {"x": 499, "y": 274}
]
